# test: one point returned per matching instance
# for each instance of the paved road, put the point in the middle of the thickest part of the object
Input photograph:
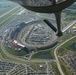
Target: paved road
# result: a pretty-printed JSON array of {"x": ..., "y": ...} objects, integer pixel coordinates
[
  {"x": 68, "y": 26},
  {"x": 9, "y": 11},
  {"x": 17, "y": 58},
  {"x": 47, "y": 68},
  {"x": 52, "y": 40},
  {"x": 10, "y": 16},
  {"x": 55, "y": 53},
  {"x": 58, "y": 64}
]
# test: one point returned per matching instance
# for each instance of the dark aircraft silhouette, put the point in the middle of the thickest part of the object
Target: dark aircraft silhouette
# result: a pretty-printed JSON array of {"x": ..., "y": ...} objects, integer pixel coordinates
[{"x": 47, "y": 6}]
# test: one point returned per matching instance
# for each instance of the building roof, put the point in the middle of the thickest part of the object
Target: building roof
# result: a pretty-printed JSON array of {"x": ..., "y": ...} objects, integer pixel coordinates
[{"x": 74, "y": 27}]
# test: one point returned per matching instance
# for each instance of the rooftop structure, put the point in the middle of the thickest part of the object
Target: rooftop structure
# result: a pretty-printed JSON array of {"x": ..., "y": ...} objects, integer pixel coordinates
[{"x": 74, "y": 27}]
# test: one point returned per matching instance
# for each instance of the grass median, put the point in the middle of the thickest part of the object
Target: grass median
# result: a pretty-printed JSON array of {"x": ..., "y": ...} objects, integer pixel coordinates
[{"x": 55, "y": 68}]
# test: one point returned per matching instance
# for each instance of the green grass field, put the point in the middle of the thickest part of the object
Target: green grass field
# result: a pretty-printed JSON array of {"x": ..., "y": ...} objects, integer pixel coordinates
[
  {"x": 5, "y": 57},
  {"x": 67, "y": 47},
  {"x": 8, "y": 16},
  {"x": 7, "y": 11},
  {"x": 64, "y": 68},
  {"x": 13, "y": 52},
  {"x": 6, "y": 6},
  {"x": 55, "y": 68},
  {"x": 48, "y": 54}
]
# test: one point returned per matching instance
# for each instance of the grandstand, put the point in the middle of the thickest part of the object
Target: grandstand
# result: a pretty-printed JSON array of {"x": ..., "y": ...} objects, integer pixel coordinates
[
  {"x": 16, "y": 30},
  {"x": 17, "y": 45},
  {"x": 12, "y": 42}
]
